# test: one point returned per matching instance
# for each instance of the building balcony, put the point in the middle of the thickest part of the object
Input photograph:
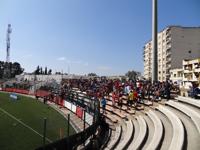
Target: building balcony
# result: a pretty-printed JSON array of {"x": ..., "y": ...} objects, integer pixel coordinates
[
  {"x": 188, "y": 67},
  {"x": 187, "y": 71},
  {"x": 168, "y": 60},
  {"x": 167, "y": 30},
  {"x": 168, "y": 40},
  {"x": 168, "y": 52},
  {"x": 168, "y": 66},
  {"x": 190, "y": 79},
  {"x": 196, "y": 70},
  {"x": 168, "y": 46}
]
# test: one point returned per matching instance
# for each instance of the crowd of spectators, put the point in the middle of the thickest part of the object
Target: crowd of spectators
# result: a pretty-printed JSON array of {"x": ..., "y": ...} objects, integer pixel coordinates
[
  {"x": 133, "y": 91},
  {"x": 194, "y": 91}
]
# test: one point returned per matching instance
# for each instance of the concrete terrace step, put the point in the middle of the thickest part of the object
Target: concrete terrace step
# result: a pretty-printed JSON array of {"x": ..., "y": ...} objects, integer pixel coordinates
[
  {"x": 192, "y": 134},
  {"x": 123, "y": 108},
  {"x": 136, "y": 128},
  {"x": 124, "y": 129},
  {"x": 167, "y": 129},
  {"x": 189, "y": 112},
  {"x": 142, "y": 133},
  {"x": 146, "y": 103},
  {"x": 178, "y": 129},
  {"x": 116, "y": 111},
  {"x": 158, "y": 131},
  {"x": 150, "y": 131},
  {"x": 127, "y": 137},
  {"x": 113, "y": 143},
  {"x": 108, "y": 136},
  {"x": 111, "y": 117},
  {"x": 188, "y": 100}
]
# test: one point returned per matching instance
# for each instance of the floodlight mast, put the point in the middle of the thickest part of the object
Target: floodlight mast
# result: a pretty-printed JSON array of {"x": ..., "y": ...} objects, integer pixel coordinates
[
  {"x": 9, "y": 31},
  {"x": 154, "y": 42}
]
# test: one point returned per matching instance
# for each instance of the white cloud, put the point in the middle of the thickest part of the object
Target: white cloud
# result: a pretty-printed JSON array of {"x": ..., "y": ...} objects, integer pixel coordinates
[
  {"x": 27, "y": 55},
  {"x": 61, "y": 58},
  {"x": 104, "y": 68},
  {"x": 76, "y": 62},
  {"x": 85, "y": 64}
]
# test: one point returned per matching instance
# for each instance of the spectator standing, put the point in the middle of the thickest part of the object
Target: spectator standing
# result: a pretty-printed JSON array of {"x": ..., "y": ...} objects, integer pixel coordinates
[
  {"x": 130, "y": 99},
  {"x": 135, "y": 98},
  {"x": 113, "y": 98},
  {"x": 120, "y": 100},
  {"x": 103, "y": 104}
]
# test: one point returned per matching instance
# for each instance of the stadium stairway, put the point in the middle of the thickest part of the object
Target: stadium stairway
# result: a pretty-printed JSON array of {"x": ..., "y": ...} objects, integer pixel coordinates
[{"x": 173, "y": 124}]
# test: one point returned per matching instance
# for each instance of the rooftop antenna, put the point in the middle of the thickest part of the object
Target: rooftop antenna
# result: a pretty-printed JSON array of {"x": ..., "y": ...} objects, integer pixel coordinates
[{"x": 9, "y": 31}]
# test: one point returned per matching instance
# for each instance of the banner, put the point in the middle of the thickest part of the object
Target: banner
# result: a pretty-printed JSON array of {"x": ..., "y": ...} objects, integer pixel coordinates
[
  {"x": 79, "y": 112},
  {"x": 88, "y": 118},
  {"x": 60, "y": 101},
  {"x": 42, "y": 93},
  {"x": 21, "y": 91},
  {"x": 13, "y": 96},
  {"x": 69, "y": 105},
  {"x": 73, "y": 108}
]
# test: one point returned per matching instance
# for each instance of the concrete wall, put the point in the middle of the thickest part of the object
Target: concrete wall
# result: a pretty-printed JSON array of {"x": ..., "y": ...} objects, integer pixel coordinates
[{"x": 184, "y": 40}]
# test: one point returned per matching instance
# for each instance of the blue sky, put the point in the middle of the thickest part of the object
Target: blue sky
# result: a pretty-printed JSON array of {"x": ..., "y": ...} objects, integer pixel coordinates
[{"x": 102, "y": 36}]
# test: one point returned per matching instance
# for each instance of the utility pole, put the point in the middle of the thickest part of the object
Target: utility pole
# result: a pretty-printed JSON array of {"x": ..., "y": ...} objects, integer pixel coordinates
[{"x": 154, "y": 42}]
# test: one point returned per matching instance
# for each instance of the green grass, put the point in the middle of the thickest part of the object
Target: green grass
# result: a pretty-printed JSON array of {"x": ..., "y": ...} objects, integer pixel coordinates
[{"x": 14, "y": 136}]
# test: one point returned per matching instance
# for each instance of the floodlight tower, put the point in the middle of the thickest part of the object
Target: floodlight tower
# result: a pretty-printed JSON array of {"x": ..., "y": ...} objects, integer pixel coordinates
[
  {"x": 9, "y": 30},
  {"x": 154, "y": 41}
]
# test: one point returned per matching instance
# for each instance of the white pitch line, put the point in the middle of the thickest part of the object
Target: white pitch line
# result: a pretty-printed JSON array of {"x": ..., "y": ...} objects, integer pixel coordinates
[{"x": 25, "y": 125}]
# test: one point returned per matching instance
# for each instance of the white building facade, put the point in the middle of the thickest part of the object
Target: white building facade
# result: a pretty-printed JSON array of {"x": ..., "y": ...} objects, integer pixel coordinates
[
  {"x": 176, "y": 76},
  {"x": 47, "y": 78},
  {"x": 175, "y": 43},
  {"x": 190, "y": 72}
]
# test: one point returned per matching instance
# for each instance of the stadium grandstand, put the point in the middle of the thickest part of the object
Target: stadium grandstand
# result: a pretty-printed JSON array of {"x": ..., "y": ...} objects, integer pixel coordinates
[{"x": 111, "y": 114}]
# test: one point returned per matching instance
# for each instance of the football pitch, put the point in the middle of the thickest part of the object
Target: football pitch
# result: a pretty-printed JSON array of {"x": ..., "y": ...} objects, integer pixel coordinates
[{"x": 21, "y": 123}]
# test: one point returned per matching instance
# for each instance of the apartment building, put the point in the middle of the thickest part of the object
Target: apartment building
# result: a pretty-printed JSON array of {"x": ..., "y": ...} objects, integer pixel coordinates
[
  {"x": 175, "y": 43},
  {"x": 176, "y": 75},
  {"x": 190, "y": 72}
]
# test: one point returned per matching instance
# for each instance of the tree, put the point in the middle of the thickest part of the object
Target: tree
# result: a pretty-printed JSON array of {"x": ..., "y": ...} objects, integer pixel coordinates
[
  {"x": 45, "y": 71},
  {"x": 58, "y": 73},
  {"x": 49, "y": 72},
  {"x": 41, "y": 71},
  {"x": 10, "y": 70},
  {"x": 1, "y": 69},
  {"x": 37, "y": 71},
  {"x": 92, "y": 74},
  {"x": 16, "y": 69},
  {"x": 133, "y": 75}
]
